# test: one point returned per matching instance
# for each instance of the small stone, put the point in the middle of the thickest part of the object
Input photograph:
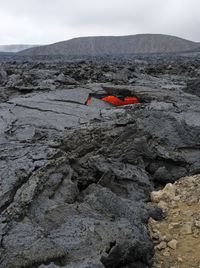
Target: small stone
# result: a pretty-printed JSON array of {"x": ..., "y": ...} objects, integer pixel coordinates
[
  {"x": 175, "y": 236},
  {"x": 166, "y": 254},
  {"x": 170, "y": 226},
  {"x": 163, "y": 205},
  {"x": 187, "y": 228},
  {"x": 155, "y": 196},
  {"x": 173, "y": 204},
  {"x": 168, "y": 237},
  {"x": 173, "y": 244},
  {"x": 197, "y": 224},
  {"x": 167, "y": 193},
  {"x": 175, "y": 224},
  {"x": 169, "y": 190},
  {"x": 177, "y": 198},
  {"x": 162, "y": 245},
  {"x": 195, "y": 233},
  {"x": 155, "y": 236},
  {"x": 162, "y": 237},
  {"x": 180, "y": 259},
  {"x": 152, "y": 221}
]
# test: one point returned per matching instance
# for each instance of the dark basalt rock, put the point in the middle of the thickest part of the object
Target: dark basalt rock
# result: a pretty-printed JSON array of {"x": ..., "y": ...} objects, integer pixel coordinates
[
  {"x": 3, "y": 76},
  {"x": 193, "y": 87},
  {"x": 76, "y": 178}
]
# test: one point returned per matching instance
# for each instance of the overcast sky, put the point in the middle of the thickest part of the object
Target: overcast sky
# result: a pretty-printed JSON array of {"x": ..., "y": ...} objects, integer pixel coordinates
[{"x": 49, "y": 21}]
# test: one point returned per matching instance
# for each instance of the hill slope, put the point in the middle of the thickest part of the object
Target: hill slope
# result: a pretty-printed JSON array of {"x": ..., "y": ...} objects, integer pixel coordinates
[{"x": 100, "y": 45}]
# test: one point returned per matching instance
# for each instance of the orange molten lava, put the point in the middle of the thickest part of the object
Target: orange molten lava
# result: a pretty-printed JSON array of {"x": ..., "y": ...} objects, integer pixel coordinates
[
  {"x": 89, "y": 99},
  {"x": 117, "y": 102}
]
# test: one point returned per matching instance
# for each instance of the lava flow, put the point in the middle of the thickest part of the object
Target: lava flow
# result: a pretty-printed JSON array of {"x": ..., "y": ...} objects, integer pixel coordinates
[
  {"x": 89, "y": 99},
  {"x": 117, "y": 102}
]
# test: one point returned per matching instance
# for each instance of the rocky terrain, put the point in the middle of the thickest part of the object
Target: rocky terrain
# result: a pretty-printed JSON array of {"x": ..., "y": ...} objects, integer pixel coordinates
[
  {"x": 76, "y": 177},
  {"x": 115, "y": 45},
  {"x": 177, "y": 237}
]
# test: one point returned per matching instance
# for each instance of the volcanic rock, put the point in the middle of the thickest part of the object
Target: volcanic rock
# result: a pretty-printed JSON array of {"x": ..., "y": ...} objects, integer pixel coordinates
[
  {"x": 76, "y": 177},
  {"x": 3, "y": 76},
  {"x": 193, "y": 87}
]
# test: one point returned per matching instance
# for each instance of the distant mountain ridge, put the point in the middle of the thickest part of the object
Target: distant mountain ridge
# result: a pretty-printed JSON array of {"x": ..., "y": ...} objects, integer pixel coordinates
[
  {"x": 15, "y": 48},
  {"x": 115, "y": 45}
]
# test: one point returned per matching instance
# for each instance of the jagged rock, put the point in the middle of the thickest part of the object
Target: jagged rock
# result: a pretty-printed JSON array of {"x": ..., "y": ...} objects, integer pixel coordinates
[
  {"x": 193, "y": 87},
  {"x": 3, "y": 77},
  {"x": 167, "y": 193},
  {"x": 75, "y": 177},
  {"x": 88, "y": 263},
  {"x": 14, "y": 81},
  {"x": 66, "y": 80},
  {"x": 172, "y": 244}
]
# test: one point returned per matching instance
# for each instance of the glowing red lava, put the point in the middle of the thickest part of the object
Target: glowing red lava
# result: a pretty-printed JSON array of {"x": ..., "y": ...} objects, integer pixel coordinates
[
  {"x": 89, "y": 99},
  {"x": 116, "y": 101}
]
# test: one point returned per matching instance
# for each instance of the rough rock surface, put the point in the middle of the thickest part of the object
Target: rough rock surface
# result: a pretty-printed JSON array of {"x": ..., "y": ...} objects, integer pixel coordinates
[
  {"x": 76, "y": 178},
  {"x": 177, "y": 237},
  {"x": 193, "y": 87}
]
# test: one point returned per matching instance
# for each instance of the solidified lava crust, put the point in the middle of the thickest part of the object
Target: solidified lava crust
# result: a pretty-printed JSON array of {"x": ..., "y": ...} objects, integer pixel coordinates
[{"x": 76, "y": 179}]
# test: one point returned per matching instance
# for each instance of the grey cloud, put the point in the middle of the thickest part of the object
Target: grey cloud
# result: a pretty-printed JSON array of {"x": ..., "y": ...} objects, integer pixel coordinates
[{"x": 46, "y": 21}]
